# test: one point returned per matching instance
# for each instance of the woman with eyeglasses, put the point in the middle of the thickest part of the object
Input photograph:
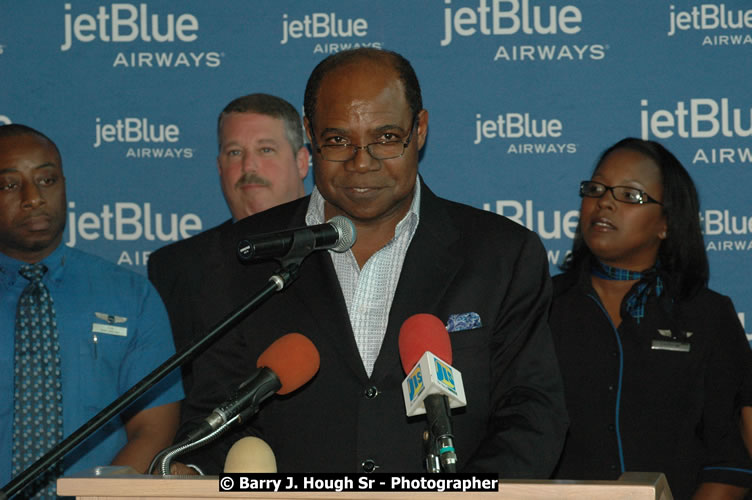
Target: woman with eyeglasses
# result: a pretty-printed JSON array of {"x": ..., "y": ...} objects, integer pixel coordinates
[{"x": 652, "y": 359}]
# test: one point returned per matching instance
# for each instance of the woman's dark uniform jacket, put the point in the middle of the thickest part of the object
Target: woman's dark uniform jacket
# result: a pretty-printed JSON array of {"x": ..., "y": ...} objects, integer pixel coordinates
[{"x": 677, "y": 409}]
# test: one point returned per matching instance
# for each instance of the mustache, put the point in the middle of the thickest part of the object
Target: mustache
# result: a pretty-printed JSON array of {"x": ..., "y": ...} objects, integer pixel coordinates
[{"x": 251, "y": 178}]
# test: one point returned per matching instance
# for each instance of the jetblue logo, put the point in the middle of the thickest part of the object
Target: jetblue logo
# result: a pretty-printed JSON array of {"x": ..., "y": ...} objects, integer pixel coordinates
[
  {"x": 134, "y": 130},
  {"x": 515, "y": 18},
  {"x": 516, "y": 125},
  {"x": 129, "y": 221},
  {"x": 322, "y": 25},
  {"x": 702, "y": 118},
  {"x": 415, "y": 383},
  {"x": 510, "y": 17},
  {"x": 697, "y": 118},
  {"x": 708, "y": 17},
  {"x": 535, "y": 134},
  {"x": 140, "y": 130},
  {"x": 124, "y": 23},
  {"x": 549, "y": 225},
  {"x": 331, "y": 32},
  {"x": 715, "y": 222},
  {"x": 445, "y": 376}
]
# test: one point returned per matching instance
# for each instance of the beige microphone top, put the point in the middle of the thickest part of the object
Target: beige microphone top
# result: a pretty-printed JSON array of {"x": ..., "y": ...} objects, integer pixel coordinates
[{"x": 250, "y": 454}]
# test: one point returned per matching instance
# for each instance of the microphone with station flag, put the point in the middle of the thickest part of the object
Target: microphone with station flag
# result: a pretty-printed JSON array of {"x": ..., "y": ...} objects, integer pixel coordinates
[
  {"x": 337, "y": 234},
  {"x": 288, "y": 363},
  {"x": 432, "y": 386}
]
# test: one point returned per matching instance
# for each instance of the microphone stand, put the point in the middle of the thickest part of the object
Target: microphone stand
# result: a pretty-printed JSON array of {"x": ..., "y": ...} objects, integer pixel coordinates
[
  {"x": 431, "y": 455},
  {"x": 239, "y": 408},
  {"x": 440, "y": 430},
  {"x": 438, "y": 453},
  {"x": 438, "y": 438},
  {"x": 164, "y": 458},
  {"x": 302, "y": 246}
]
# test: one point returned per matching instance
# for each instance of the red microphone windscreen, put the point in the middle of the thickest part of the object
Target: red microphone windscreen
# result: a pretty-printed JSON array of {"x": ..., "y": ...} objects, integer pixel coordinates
[
  {"x": 420, "y": 333},
  {"x": 293, "y": 358}
]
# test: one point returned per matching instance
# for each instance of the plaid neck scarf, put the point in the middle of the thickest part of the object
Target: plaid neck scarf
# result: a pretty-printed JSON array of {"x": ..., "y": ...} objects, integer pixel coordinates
[{"x": 649, "y": 282}]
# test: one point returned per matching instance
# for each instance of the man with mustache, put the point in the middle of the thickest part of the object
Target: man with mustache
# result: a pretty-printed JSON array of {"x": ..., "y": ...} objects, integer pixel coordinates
[
  {"x": 262, "y": 162},
  {"x": 77, "y": 331}
]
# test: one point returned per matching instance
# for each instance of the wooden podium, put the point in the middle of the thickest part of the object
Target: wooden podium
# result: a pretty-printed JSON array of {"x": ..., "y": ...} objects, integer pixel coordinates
[{"x": 110, "y": 483}]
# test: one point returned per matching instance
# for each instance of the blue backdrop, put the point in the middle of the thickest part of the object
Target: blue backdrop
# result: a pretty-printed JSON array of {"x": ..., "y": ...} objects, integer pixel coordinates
[{"x": 522, "y": 95}]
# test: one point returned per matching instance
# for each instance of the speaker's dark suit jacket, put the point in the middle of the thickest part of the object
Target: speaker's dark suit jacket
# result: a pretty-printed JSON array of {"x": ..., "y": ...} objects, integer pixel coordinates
[{"x": 460, "y": 260}]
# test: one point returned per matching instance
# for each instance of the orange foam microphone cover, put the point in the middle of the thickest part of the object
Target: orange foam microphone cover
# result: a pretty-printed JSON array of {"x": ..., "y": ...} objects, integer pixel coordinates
[{"x": 293, "y": 358}]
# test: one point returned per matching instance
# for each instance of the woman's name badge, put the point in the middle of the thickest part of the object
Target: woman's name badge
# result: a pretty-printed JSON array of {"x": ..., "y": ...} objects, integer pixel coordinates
[{"x": 671, "y": 345}]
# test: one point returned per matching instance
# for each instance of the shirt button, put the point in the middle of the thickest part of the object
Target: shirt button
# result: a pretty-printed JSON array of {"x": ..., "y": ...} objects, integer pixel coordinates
[
  {"x": 614, "y": 354},
  {"x": 612, "y": 467},
  {"x": 611, "y": 427},
  {"x": 368, "y": 465},
  {"x": 610, "y": 388},
  {"x": 371, "y": 392}
]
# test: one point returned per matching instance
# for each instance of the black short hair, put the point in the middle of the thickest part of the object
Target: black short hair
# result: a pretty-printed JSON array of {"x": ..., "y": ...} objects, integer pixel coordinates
[
  {"x": 402, "y": 66},
  {"x": 682, "y": 254},
  {"x": 18, "y": 129}
]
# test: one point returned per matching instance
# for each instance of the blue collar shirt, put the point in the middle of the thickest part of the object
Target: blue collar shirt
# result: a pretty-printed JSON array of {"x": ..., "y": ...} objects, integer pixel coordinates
[{"x": 113, "y": 330}]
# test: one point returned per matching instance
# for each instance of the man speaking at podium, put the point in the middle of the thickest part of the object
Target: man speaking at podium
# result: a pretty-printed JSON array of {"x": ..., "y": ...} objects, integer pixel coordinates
[{"x": 415, "y": 253}]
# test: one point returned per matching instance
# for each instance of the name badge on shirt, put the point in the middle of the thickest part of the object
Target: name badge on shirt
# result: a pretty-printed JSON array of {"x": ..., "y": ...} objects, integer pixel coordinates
[
  {"x": 110, "y": 328},
  {"x": 120, "y": 331}
]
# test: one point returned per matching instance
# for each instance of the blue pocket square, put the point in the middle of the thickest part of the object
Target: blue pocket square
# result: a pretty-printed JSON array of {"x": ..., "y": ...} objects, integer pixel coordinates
[{"x": 464, "y": 321}]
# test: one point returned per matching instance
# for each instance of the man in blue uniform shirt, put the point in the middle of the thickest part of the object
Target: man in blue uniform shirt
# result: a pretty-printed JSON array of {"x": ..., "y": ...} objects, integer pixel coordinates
[{"x": 112, "y": 328}]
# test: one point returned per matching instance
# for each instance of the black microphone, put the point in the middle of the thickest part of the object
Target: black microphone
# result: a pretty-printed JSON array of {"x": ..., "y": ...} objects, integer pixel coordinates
[
  {"x": 244, "y": 401},
  {"x": 337, "y": 234},
  {"x": 287, "y": 364}
]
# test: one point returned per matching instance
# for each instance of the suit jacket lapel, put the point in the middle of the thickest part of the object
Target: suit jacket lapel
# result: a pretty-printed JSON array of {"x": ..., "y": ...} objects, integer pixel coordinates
[
  {"x": 318, "y": 290},
  {"x": 428, "y": 270},
  {"x": 320, "y": 293}
]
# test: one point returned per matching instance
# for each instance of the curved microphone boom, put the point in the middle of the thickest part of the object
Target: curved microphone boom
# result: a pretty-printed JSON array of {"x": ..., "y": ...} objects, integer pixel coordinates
[
  {"x": 337, "y": 234},
  {"x": 432, "y": 386}
]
